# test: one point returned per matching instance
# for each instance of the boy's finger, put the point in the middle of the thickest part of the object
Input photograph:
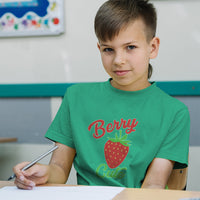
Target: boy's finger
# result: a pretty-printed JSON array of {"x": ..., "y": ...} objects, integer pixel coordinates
[
  {"x": 31, "y": 171},
  {"x": 24, "y": 183},
  {"x": 17, "y": 169}
]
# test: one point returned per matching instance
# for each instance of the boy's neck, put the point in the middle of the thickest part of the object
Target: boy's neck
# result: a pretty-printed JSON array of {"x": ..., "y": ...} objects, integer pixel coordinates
[{"x": 133, "y": 87}]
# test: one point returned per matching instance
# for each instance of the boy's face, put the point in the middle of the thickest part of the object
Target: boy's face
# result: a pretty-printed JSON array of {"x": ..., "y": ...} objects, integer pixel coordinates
[{"x": 126, "y": 57}]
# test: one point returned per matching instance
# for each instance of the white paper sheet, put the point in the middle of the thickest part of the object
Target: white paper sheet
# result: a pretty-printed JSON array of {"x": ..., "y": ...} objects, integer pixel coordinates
[{"x": 61, "y": 193}]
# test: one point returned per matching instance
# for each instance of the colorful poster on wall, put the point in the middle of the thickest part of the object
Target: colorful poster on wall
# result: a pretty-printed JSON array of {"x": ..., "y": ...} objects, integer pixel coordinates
[{"x": 31, "y": 17}]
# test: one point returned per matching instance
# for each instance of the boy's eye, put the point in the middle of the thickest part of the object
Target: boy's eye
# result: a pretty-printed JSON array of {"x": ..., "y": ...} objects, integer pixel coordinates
[
  {"x": 130, "y": 47},
  {"x": 107, "y": 50}
]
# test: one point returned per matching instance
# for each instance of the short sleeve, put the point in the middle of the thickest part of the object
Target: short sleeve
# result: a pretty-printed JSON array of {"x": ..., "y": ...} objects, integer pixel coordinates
[
  {"x": 60, "y": 128},
  {"x": 176, "y": 144}
]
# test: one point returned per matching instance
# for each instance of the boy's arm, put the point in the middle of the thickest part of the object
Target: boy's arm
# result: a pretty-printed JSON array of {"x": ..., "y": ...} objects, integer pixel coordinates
[
  {"x": 158, "y": 173},
  {"x": 56, "y": 172},
  {"x": 61, "y": 163}
]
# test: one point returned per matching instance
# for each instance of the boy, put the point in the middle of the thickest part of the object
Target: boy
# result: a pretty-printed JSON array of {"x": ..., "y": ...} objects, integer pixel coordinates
[{"x": 125, "y": 131}]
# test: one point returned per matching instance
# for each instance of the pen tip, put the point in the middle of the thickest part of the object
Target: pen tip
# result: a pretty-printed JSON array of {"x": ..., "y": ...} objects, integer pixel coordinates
[{"x": 11, "y": 177}]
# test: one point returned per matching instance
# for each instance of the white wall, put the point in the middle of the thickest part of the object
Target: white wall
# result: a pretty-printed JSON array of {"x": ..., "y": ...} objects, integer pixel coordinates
[{"x": 179, "y": 31}]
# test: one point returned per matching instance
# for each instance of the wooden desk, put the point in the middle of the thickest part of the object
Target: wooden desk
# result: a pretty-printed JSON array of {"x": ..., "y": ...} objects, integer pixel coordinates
[
  {"x": 6, "y": 183},
  {"x": 138, "y": 194},
  {"x": 3, "y": 140},
  {"x": 155, "y": 194}
]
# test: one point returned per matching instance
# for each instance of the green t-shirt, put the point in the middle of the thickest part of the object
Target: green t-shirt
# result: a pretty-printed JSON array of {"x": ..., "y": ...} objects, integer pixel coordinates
[{"x": 118, "y": 133}]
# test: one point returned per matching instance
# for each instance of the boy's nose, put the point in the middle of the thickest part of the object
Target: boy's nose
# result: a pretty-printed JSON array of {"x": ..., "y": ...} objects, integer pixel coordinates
[{"x": 119, "y": 58}]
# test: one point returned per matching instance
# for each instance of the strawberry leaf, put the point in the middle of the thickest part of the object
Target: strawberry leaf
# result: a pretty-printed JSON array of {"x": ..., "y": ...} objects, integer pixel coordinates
[
  {"x": 124, "y": 137},
  {"x": 125, "y": 144},
  {"x": 126, "y": 141},
  {"x": 120, "y": 133}
]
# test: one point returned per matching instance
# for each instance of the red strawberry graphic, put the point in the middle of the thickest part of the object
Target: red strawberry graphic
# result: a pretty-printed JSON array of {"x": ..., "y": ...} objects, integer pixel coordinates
[{"x": 116, "y": 150}]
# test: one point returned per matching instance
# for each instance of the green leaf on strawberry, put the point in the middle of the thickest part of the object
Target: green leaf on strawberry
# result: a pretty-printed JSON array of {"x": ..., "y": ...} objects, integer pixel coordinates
[{"x": 120, "y": 139}]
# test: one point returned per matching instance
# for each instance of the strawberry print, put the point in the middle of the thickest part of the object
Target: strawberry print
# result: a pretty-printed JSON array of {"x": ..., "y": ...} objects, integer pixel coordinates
[{"x": 116, "y": 150}]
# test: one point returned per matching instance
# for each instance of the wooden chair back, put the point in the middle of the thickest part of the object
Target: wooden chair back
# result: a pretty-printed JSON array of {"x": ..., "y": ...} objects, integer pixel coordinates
[{"x": 178, "y": 179}]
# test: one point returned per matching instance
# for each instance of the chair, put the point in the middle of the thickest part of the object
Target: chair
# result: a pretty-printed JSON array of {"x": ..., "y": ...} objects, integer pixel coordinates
[{"x": 178, "y": 179}]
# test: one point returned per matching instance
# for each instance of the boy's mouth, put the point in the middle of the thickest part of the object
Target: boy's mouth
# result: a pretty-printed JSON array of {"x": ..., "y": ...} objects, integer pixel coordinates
[{"x": 121, "y": 73}]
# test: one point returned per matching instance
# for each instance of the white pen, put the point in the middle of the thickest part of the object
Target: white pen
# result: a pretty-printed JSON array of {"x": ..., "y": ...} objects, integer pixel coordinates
[{"x": 34, "y": 161}]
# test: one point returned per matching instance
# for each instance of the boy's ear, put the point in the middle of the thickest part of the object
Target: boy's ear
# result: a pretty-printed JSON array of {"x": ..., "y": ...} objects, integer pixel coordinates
[
  {"x": 98, "y": 45},
  {"x": 155, "y": 43}
]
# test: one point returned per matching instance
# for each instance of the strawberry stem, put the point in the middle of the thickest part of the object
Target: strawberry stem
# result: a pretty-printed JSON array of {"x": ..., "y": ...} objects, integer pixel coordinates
[{"x": 123, "y": 140}]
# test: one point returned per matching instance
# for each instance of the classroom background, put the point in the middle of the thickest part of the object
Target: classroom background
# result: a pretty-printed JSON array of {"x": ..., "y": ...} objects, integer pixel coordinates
[{"x": 73, "y": 57}]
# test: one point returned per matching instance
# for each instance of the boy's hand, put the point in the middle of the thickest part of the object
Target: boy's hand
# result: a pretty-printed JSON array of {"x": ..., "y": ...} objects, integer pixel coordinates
[{"x": 35, "y": 175}]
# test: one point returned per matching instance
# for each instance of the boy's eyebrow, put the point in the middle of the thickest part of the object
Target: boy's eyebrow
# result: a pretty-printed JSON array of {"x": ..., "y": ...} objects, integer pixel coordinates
[
  {"x": 101, "y": 44},
  {"x": 131, "y": 42},
  {"x": 125, "y": 44}
]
